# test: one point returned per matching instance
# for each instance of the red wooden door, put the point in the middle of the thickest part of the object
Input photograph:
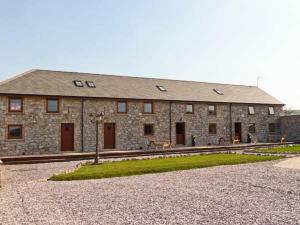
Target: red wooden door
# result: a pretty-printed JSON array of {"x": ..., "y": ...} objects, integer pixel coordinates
[
  {"x": 180, "y": 133},
  {"x": 67, "y": 137},
  {"x": 109, "y": 135}
]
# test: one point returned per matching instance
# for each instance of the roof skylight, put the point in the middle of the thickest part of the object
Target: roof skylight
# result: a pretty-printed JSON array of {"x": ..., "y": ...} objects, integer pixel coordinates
[
  {"x": 90, "y": 84},
  {"x": 218, "y": 91},
  {"x": 78, "y": 83},
  {"x": 161, "y": 88}
]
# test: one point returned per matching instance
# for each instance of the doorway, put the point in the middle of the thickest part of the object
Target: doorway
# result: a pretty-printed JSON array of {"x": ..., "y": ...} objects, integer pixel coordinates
[
  {"x": 67, "y": 137},
  {"x": 180, "y": 133},
  {"x": 238, "y": 131},
  {"x": 109, "y": 135}
]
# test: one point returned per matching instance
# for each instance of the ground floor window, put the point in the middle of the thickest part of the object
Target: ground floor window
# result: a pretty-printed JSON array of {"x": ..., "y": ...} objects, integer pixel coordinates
[
  {"x": 15, "y": 132},
  {"x": 212, "y": 129},
  {"x": 148, "y": 129},
  {"x": 252, "y": 128},
  {"x": 272, "y": 127}
]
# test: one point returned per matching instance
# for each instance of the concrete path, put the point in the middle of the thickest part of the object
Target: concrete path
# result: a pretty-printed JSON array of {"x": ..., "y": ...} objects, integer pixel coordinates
[{"x": 292, "y": 163}]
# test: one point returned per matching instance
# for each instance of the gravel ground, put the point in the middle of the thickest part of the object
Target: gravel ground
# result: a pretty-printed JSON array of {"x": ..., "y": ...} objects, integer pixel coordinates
[{"x": 257, "y": 193}]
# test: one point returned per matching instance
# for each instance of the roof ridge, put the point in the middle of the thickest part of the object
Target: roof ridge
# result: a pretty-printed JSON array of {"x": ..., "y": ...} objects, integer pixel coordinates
[{"x": 98, "y": 74}]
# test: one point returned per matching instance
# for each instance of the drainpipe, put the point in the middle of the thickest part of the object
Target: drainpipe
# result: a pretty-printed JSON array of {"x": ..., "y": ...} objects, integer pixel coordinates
[
  {"x": 82, "y": 123},
  {"x": 170, "y": 121},
  {"x": 230, "y": 115}
]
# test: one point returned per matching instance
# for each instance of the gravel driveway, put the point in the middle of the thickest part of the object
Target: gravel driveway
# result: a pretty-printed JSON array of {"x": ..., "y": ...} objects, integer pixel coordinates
[{"x": 257, "y": 193}]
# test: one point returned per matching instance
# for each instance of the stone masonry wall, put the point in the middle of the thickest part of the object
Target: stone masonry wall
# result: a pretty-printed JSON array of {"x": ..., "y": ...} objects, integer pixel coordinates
[
  {"x": 42, "y": 130},
  {"x": 290, "y": 127}
]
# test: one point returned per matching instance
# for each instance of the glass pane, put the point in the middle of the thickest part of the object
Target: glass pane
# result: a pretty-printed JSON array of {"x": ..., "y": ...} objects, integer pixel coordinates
[
  {"x": 271, "y": 110},
  {"x": 53, "y": 105},
  {"x": 189, "y": 108},
  {"x": 15, "y": 104},
  {"x": 148, "y": 107},
  {"x": 121, "y": 107},
  {"x": 14, "y": 132},
  {"x": 251, "y": 109}
]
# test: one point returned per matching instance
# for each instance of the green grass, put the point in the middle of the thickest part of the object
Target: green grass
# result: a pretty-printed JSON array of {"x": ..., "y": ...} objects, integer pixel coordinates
[
  {"x": 285, "y": 149},
  {"x": 158, "y": 165}
]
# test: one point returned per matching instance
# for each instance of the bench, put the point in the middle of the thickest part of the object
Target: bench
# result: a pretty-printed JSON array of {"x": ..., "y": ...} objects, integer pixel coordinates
[{"x": 163, "y": 145}]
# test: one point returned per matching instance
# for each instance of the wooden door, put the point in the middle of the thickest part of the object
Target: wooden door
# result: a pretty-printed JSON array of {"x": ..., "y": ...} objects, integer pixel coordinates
[
  {"x": 180, "y": 133},
  {"x": 109, "y": 135},
  {"x": 67, "y": 137},
  {"x": 238, "y": 131}
]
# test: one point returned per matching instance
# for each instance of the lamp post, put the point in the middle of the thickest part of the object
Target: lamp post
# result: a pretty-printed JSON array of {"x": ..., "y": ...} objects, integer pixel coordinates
[{"x": 96, "y": 118}]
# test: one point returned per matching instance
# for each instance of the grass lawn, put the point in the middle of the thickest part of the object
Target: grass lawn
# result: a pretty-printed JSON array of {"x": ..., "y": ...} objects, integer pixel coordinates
[
  {"x": 286, "y": 149},
  {"x": 158, "y": 165}
]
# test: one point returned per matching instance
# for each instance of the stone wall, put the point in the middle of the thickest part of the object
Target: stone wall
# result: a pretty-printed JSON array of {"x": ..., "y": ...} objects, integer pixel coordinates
[
  {"x": 42, "y": 130},
  {"x": 290, "y": 127}
]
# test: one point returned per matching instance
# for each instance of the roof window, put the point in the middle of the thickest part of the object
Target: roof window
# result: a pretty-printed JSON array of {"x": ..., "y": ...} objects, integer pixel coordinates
[
  {"x": 90, "y": 84},
  {"x": 161, "y": 88},
  {"x": 78, "y": 83},
  {"x": 218, "y": 92}
]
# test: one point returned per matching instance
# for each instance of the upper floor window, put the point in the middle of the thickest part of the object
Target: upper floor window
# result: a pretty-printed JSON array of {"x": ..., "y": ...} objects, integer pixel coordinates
[
  {"x": 122, "y": 107},
  {"x": 189, "y": 108},
  {"x": 90, "y": 84},
  {"x": 148, "y": 107},
  {"x": 161, "y": 88},
  {"x": 15, "y": 132},
  {"x": 272, "y": 127},
  {"x": 78, "y": 83},
  {"x": 148, "y": 129},
  {"x": 15, "y": 104},
  {"x": 251, "y": 110},
  {"x": 52, "y": 105},
  {"x": 271, "y": 111},
  {"x": 212, "y": 110},
  {"x": 212, "y": 129},
  {"x": 251, "y": 127}
]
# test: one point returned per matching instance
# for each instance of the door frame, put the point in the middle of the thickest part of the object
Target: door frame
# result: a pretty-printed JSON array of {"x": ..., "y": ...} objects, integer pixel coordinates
[
  {"x": 115, "y": 128},
  {"x": 241, "y": 131},
  {"x": 61, "y": 139},
  {"x": 184, "y": 133}
]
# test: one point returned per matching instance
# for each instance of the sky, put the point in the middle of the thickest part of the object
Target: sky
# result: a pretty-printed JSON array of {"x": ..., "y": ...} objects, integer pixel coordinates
[{"x": 232, "y": 41}]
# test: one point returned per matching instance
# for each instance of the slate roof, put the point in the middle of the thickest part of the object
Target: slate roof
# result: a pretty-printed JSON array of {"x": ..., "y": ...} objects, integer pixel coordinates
[{"x": 58, "y": 83}]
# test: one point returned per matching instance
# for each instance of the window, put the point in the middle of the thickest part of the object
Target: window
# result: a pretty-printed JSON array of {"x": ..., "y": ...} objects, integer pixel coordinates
[
  {"x": 15, "y": 132},
  {"x": 251, "y": 127},
  {"x": 15, "y": 104},
  {"x": 122, "y": 107},
  {"x": 218, "y": 92},
  {"x": 148, "y": 107},
  {"x": 52, "y": 105},
  {"x": 272, "y": 127},
  {"x": 211, "y": 110},
  {"x": 271, "y": 111},
  {"x": 78, "y": 83},
  {"x": 148, "y": 129},
  {"x": 161, "y": 88},
  {"x": 251, "y": 110},
  {"x": 90, "y": 84},
  {"x": 212, "y": 128},
  {"x": 189, "y": 108}
]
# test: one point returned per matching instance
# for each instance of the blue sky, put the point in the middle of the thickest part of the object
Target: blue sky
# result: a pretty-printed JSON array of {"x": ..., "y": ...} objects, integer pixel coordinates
[{"x": 230, "y": 41}]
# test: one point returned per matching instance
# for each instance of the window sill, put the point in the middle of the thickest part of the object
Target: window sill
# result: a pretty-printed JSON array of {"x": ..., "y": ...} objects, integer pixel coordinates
[
  {"x": 15, "y": 140},
  {"x": 15, "y": 113}
]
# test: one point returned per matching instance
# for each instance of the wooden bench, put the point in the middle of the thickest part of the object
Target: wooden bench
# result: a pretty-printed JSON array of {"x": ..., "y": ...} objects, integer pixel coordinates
[{"x": 163, "y": 145}]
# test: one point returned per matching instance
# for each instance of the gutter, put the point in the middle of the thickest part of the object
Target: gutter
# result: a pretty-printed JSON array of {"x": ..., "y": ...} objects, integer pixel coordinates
[
  {"x": 170, "y": 121},
  {"x": 82, "y": 124}
]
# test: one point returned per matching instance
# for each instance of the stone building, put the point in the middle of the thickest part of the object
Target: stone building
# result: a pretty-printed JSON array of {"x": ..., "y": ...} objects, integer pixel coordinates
[
  {"x": 290, "y": 127},
  {"x": 51, "y": 111}
]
